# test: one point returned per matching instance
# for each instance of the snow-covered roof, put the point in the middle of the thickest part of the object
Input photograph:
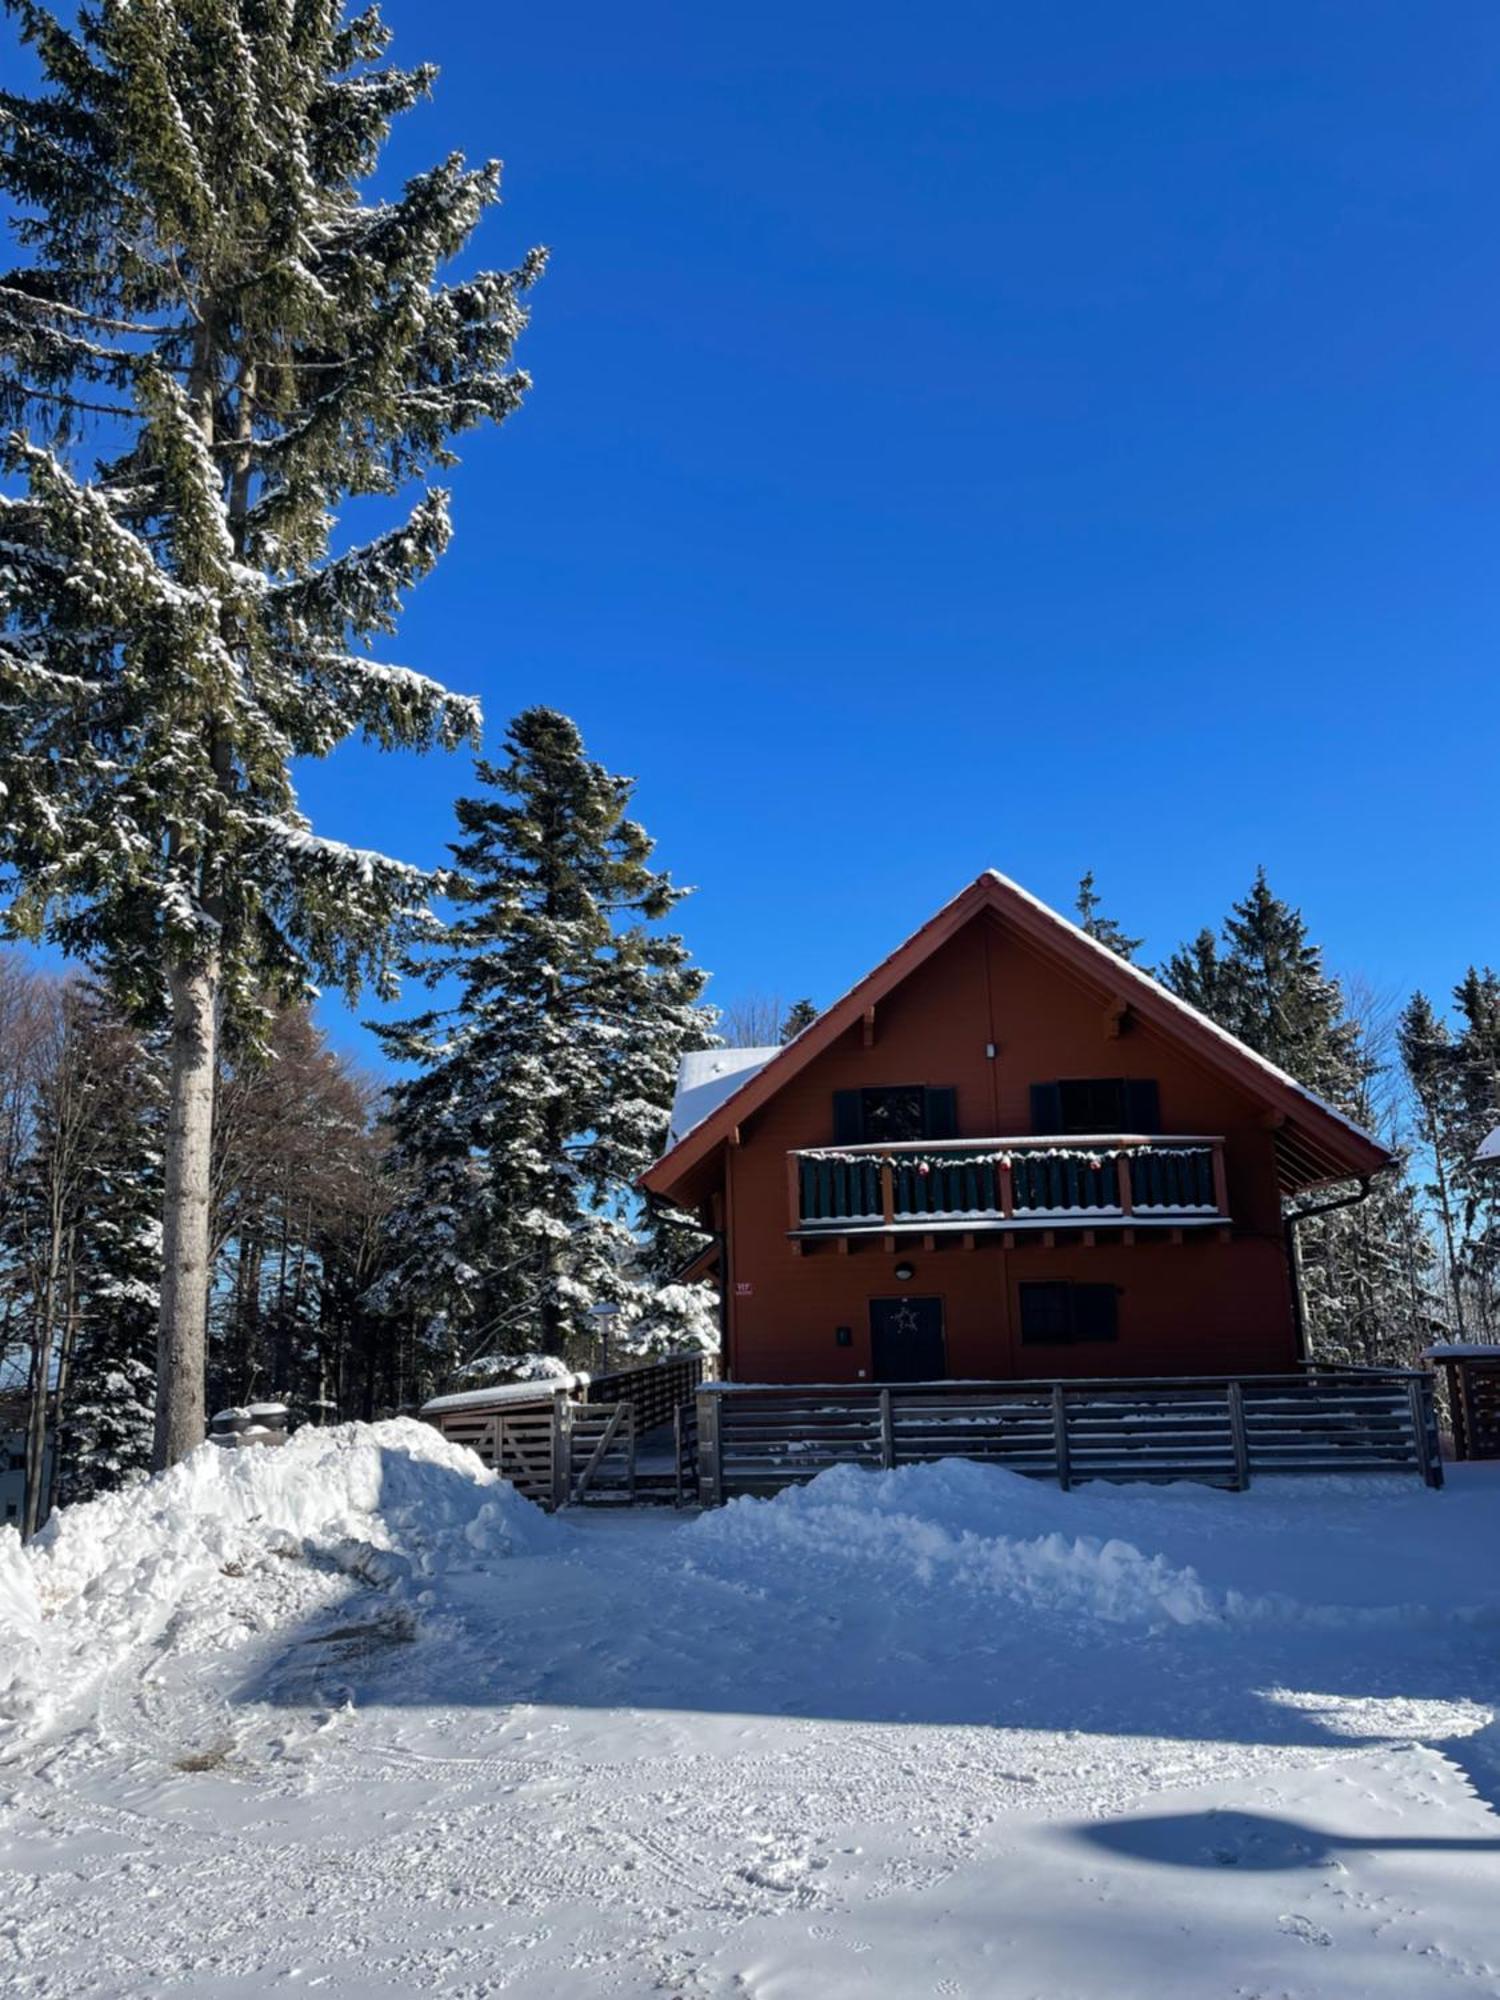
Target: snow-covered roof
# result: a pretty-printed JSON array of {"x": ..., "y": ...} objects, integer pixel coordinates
[
  {"x": 705, "y": 1078},
  {"x": 1462, "y": 1350},
  {"x": 1490, "y": 1147},
  {"x": 505, "y": 1392}
]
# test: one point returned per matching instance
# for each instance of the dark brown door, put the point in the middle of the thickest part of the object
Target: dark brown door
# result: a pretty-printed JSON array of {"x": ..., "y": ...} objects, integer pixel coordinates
[{"x": 906, "y": 1340}]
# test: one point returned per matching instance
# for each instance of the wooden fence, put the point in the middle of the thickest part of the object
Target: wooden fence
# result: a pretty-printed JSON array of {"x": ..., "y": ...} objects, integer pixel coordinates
[
  {"x": 1219, "y": 1430},
  {"x": 654, "y": 1389},
  {"x": 575, "y": 1442},
  {"x": 1473, "y": 1383}
]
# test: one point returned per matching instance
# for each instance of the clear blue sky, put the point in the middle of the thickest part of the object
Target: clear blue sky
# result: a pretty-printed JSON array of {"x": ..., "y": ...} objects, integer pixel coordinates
[{"x": 1033, "y": 436}]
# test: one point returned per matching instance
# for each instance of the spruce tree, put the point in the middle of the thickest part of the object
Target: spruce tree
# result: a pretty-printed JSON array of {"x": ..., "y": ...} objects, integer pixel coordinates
[
  {"x": 107, "y": 1421},
  {"x": 255, "y": 341},
  {"x": 801, "y": 1014},
  {"x": 1263, "y": 979},
  {"x": 1265, "y": 982},
  {"x": 545, "y": 1089},
  {"x": 1092, "y": 919}
]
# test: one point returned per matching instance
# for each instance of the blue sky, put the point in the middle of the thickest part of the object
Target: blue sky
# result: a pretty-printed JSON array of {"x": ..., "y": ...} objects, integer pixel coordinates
[
  {"x": 1039, "y": 437},
  {"x": 983, "y": 435}
]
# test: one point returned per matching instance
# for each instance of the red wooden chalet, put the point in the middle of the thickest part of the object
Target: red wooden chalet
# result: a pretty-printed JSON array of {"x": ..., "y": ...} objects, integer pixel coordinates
[{"x": 1005, "y": 1153}]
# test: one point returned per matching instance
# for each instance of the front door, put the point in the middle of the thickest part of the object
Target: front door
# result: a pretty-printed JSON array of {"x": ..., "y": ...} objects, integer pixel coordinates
[{"x": 906, "y": 1340}]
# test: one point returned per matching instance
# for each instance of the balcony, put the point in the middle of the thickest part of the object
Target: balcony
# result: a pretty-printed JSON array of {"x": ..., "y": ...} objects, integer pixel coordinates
[{"x": 1116, "y": 1181}]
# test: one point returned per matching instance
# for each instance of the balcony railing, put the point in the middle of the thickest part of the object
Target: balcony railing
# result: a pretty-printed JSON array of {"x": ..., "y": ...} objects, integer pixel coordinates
[{"x": 1012, "y": 1183}]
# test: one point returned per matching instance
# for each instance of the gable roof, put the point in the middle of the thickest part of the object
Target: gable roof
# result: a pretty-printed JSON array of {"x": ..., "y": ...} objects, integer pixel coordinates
[
  {"x": 1489, "y": 1147},
  {"x": 1315, "y": 1143}
]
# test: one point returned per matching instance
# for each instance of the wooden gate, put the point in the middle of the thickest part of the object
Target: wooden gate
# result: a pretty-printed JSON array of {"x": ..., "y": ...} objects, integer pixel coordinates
[{"x": 575, "y": 1440}]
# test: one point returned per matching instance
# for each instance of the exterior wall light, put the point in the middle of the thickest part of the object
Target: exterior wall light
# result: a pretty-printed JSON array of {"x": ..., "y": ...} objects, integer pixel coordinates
[{"x": 905, "y": 1271}]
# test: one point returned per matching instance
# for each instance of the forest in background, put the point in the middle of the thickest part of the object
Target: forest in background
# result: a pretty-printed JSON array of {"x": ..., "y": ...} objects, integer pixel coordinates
[{"x": 378, "y": 1239}]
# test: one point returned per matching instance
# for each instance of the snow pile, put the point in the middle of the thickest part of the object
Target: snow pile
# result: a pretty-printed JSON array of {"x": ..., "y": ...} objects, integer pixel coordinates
[
  {"x": 918, "y": 1525},
  {"x": 392, "y": 1504}
]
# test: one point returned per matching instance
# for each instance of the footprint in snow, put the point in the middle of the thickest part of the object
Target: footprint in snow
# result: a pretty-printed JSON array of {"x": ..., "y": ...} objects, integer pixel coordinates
[{"x": 1304, "y": 1928}]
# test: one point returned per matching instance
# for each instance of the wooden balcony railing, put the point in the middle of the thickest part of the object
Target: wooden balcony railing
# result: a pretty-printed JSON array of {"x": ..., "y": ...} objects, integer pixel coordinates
[{"x": 1011, "y": 1183}]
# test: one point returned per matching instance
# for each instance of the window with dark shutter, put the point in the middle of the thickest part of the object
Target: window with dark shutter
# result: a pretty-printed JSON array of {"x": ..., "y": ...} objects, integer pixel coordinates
[
  {"x": 1046, "y": 1107},
  {"x": 848, "y": 1117},
  {"x": 1096, "y": 1104},
  {"x": 895, "y": 1114},
  {"x": 1057, "y": 1312}
]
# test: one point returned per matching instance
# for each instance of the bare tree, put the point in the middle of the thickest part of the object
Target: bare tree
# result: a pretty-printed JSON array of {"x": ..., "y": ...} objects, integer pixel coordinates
[{"x": 753, "y": 1022}]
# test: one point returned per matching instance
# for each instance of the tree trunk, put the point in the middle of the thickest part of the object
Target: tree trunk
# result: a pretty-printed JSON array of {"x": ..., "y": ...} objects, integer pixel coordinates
[
  {"x": 40, "y": 1387},
  {"x": 182, "y": 1345},
  {"x": 64, "y": 1371}
]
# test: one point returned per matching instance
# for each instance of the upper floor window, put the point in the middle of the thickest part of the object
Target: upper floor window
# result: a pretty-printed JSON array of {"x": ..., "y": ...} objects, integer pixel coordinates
[
  {"x": 894, "y": 1114},
  {"x": 1096, "y": 1104}
]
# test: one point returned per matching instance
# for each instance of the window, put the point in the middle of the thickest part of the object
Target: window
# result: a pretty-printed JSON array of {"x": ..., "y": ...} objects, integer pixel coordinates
[
  {"x": 1061, "y": 1312},
  {"x": 894, "y": 1113},
  {"x": 1096, "y": 1104}
]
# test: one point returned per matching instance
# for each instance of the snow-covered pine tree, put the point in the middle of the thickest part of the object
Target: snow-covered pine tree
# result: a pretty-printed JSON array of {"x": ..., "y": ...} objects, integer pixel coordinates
[
  {"x": 1091, "y": 918},
  {"x": 545, "y": 1090},
  {"x": 1264, "y": 980},
  {"x": 107, "y": 1421},
  {"x": 255, "y": 341}
]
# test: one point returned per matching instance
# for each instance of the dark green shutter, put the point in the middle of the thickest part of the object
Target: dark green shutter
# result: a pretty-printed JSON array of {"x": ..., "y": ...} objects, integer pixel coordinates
[
  {"x": 848, "y": 1118},
  {"x": 940, "y": 1112},
  {"x": 1095, "y": 1312},
  {"x": 1046, "y": 1107},
  {"x": 1142, "y": 1104}
]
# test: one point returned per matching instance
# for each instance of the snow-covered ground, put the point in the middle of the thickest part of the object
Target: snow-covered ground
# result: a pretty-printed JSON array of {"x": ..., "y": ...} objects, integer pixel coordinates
[{"x": 350, "y": 1717}]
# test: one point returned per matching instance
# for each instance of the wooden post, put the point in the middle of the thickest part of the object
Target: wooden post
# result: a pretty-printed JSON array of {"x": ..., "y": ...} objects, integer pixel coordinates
[
  {"x": 1060, "y": 1435},
  {"x": 1238, "y": 1437},
  {"x": 1429, "y": 1464},
  {"x": 1007, "y": 1188},
  {"x": 794, "y": 1190},
  {"x": 1221, "y": 1180},
  {"x": 1457, "y": 1413},
  {"x": 887, "y": 1432},
  {"x": 562, "y": 1448},
  {"x": 1127, "y": 1192},
  {"x": 888, "y": 1192},
  {"x": 710, "y": 1452}
]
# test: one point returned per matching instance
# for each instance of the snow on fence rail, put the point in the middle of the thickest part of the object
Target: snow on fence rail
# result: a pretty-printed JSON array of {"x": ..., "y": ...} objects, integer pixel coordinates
[{"x": 1216, "y": 1429}]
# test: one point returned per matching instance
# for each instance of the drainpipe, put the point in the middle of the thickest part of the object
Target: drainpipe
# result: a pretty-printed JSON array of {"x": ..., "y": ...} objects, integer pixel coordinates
[{"x": 1294, "y": 1255}]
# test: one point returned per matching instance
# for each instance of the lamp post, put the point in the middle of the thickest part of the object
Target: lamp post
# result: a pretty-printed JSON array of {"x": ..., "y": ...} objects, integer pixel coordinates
[{"x": 603, "y": 1315}]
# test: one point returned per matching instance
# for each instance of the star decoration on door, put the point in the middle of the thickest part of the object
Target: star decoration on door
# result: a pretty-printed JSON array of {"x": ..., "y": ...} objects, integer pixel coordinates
[{"x": 904, "y": 1320}]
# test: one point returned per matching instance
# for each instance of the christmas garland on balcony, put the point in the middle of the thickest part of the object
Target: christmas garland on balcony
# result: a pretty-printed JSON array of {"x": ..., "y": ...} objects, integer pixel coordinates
[{"x": 1093, "y": 1157}]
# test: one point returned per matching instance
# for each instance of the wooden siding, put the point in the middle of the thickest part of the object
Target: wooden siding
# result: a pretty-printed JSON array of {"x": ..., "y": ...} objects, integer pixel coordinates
[{"x": 1186, "y": 1306}]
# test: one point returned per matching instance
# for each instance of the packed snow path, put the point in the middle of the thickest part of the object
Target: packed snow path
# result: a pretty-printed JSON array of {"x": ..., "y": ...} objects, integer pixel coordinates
[{"x": 349, "y": 1717}]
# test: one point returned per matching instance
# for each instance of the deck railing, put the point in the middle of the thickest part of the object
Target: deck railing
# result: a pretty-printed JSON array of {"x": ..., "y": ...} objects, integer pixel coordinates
[
  {"x": 1008, "y": 1183},
  {"x": 1216, "y": 1429}
]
